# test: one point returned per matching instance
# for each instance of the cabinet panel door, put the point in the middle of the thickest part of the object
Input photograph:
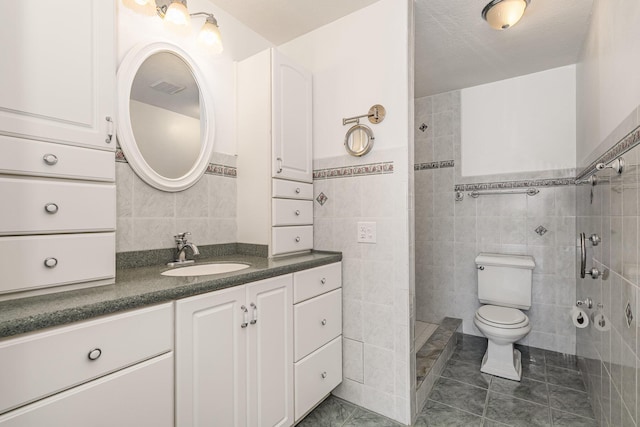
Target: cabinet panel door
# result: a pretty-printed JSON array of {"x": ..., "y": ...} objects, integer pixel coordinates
[
  {"x": 270, "y": 369},
  {"x": 292, "y": 120},
  {"x": 58, "y": 71},
  {"x": 211, "y": 360},
  {"x": 141, "y": 395}
]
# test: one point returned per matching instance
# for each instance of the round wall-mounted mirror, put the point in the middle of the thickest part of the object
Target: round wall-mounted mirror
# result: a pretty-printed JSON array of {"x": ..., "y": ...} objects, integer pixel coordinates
[
  {"x": 165, "y": 123},
  {"x": 359, "y": 140}
]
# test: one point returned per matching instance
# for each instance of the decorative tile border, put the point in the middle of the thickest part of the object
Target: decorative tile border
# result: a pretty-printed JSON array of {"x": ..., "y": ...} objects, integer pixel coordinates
[
  {"x": 212, "y": 168},
  {"x": 553, "y": 182},
  {"x": 625, "y": 144},
  {"x": 434, "y": 165},
  {"x": 349, "y": 171}
]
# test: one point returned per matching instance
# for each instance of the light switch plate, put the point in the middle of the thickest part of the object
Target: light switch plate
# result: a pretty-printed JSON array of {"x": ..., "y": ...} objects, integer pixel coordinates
[{"x": 366, "y": 232}]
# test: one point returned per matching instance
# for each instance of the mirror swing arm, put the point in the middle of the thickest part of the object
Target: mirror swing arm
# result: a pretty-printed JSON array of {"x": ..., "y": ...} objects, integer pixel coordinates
[{"x": 359, "y": 138}]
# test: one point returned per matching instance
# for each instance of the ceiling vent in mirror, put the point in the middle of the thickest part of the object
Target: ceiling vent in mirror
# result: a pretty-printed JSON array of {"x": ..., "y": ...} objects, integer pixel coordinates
[{"x": 166, "y": 87}]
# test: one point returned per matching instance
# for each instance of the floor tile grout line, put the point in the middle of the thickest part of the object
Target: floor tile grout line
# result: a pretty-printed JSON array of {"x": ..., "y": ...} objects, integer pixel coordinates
[
  {"x": 452, "y": 407},
  {"x": 486, "y": 400}
]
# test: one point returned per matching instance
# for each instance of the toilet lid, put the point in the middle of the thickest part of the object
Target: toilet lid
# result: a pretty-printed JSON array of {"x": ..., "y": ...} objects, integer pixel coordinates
[{"x": 501, "y": 315}]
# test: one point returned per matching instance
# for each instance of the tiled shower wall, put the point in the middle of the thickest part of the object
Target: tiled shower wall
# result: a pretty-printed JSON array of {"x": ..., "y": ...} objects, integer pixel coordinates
[
  {"x": 610, "y": 209},
  {"x": 376, "y": 343},
  {"x": 148, "y": 218},
  {"x": 449, "y": 234}
]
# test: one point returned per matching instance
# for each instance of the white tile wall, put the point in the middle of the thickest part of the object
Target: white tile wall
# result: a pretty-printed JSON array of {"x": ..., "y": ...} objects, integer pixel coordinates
[
  {"x": 450, "y": 234},
  {"x": 148, "y": 218}
]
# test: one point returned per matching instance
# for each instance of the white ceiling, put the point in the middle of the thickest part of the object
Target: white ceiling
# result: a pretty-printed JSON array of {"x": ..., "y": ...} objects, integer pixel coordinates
[
  {"x": 282, "y": 20},
  {"x": 455, "y": 47}
]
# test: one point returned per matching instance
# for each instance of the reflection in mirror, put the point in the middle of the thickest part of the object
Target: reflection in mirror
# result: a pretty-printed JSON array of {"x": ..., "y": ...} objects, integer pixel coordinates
[
  {"x": 165, "y": 115},
  {"x": 359, "y": 140}
]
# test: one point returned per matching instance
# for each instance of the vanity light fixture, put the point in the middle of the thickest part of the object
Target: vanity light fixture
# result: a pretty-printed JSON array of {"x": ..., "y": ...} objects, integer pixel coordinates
[
  {"x": 503, "y": 14},
  {"x": 175, "y": 13}
]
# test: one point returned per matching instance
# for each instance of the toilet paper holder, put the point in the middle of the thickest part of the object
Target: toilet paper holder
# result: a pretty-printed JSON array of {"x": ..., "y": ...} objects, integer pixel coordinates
[{"x": 585, "y": 303}]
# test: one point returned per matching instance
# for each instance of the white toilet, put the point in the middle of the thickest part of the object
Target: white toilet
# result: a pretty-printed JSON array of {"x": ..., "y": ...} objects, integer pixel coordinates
[{"x": 504, "y": 285}]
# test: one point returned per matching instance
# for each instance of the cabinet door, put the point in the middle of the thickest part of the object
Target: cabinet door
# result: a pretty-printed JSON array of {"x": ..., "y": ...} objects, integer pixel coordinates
[
  {"x": 270, "y": 365},
  {"x": 58, "y": 71},
  {"x": 292, "y": 120},
  {"x": 211, "y": 360},
  {"x": 141, "y": 395}
]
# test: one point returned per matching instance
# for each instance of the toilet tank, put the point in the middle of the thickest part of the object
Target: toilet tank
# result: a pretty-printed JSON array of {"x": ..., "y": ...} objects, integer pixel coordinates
[{"x": 505, "y": 280}]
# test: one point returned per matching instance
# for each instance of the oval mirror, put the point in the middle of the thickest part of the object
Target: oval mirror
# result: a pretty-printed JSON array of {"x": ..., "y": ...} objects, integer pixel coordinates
[
  {"x": 359, "y": 140},
  {"x": 165, "y": 116}
]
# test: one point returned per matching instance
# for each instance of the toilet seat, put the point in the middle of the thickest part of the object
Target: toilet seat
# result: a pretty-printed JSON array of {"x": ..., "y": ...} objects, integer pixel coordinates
[{"x": 501, "y": 317}]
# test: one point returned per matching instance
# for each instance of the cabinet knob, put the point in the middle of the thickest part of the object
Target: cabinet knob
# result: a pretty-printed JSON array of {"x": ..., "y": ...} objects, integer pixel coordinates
[
  {"x": 50, "y": 159},
  {"x": 298, "y": 239},
  {"x": 324, "y": 322},
  {"x": 94, "y": 354},
  {"x": 50, "y": 262},
  {"x": 51, "y": 208},
  {"x": 323, "y": 280},
  {"x": 297, "y": 212},
  {"x": 298, "y": 190},
  {"x": 324, "y": 375}
]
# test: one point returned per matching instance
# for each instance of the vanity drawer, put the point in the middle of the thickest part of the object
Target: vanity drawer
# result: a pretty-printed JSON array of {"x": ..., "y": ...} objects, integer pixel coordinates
[
  {"x": 316, "y": 322},
  {"x": 291, "y": 239},
  {"x": 72, "y": 258},
  {"x": 316, "y": 375},
  {"x": 37, "y": 158},
  {"x": 34, "y": 206},
  {"x": 310, "y": 283},
  {"x": 44, "y": 363},
  {"x": 291, "y": 189},
  {"x": 291, "y": 212}
]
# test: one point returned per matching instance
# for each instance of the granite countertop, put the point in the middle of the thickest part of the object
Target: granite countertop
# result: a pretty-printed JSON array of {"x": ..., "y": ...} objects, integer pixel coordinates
[{"x": 143, "y": 286}]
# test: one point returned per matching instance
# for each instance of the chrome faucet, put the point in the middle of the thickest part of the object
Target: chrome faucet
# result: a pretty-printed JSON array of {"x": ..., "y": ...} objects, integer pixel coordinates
[{"x": 182, "y": 244}]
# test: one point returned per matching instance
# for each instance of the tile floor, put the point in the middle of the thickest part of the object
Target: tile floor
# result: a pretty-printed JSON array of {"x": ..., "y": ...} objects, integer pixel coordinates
[{"x": 551, "y": 393}]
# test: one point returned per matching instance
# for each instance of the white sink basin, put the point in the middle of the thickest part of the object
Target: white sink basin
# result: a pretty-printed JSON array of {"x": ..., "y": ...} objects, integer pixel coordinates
[{"x": 205, "y": 269}]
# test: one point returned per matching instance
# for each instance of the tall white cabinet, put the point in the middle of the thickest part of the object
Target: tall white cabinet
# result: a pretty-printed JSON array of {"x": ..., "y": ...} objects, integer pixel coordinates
[
  {"x": 234, "y": 366},
  {"x": 57, "y": 169},
  {"x": 275, "y": 188}
]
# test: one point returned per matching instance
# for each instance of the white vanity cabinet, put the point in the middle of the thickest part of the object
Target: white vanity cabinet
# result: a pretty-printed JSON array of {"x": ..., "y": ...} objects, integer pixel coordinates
[
  {"x": 58, "y": 71},
  {"x": 57, "y": 169},
  {"x": 274, "y": 99},
  {"x": 234, "y": 352},
  {"x": 317, "y": 315},
  {"x": 115, "y": 370}
]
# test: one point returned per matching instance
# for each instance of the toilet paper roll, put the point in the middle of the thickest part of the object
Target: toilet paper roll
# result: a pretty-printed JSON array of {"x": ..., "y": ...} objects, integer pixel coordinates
[
  {"x": 579, "y": 318},
  {"x": 600, "y": 321}
]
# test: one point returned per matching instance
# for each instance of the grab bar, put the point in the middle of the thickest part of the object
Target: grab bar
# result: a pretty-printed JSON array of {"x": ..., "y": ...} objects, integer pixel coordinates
[
  {"x": 528, "y": 192},
  {"x": 583, "y": 256}
]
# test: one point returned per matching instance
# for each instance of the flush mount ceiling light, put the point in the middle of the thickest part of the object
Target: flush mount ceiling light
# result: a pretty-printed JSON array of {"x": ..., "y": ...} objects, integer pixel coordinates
[
  {"x": 503, "y": 14},
  {"x": 177, "y": 16}
]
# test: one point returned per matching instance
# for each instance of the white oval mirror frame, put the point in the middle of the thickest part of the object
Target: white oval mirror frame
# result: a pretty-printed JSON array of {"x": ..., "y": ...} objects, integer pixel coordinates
[{"x": 126, "y": 75}]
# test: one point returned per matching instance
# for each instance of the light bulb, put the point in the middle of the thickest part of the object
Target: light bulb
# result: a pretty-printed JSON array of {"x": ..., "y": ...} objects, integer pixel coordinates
[
  {"x": 177, "y": 14},
  {"x": 144, "y": 7},
  {"x": 210, "y": 36},
  {"x": 505, "y": 13}
]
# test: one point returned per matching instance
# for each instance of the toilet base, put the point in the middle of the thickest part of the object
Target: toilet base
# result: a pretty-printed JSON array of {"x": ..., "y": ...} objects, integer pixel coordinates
[{"x": 502, "y": 361}]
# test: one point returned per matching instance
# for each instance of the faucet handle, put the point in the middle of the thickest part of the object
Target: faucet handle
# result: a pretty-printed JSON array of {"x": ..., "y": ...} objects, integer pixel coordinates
[{"x": 182, "y": 237}]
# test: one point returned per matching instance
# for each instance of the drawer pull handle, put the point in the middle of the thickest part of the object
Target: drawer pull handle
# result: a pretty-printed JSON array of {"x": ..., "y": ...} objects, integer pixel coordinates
[
  {"x": 298, "y": 190},
  {"x": 51, "y": 208},
  {"x": 94, "y": 354},
  {"x": 109, "y": 130},
  {"x": 298, "y": 239},
  {"x": 245, "y": 317},
  {"x": 50, "y": 159},
  {"x": 297, "y": 212},
  {"x": 324, "y": 322},
  {"x": 254, "y": 318},
  {"x": 279, "y": 164},
  {"x": 323, "y": 281},
  {"x": 50, "y": 262},
  {"x": 324, "y": 375}
]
